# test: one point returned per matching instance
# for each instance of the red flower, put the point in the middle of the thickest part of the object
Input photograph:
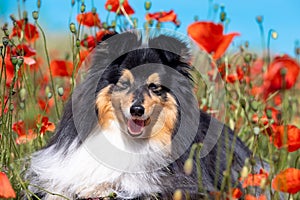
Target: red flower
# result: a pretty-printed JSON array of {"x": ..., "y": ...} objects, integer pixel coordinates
[
  {"x": 23, "y": 137},
  {"x": 45, "y": 125},
  {"x": 29, "y": 30},
  {"x": 89, "y": 19},
  {"x": 287, "y": 180},
  {"x": 61, "y": 68},
  {"x": 162, "y": 16},
  {"x": 45, "y": 106},
  {"x": 274, "y": 80},
  {"x": 255, "y": 179},
  {"x": 115, "y": 6},
  {"x": 250, "y": 197},
  {"x": 26, "y": 52},
  {"x": 235, "y": 194},
  {"x": 231, "y": 78},
  {"x": 6, "y": 190},
  {"x": 293, "y": 137},
  {"x": 209, "y": 36}
]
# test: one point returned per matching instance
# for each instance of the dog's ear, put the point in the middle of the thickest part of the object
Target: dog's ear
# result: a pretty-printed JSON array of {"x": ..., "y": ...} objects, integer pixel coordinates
[
  {"x": 173, "y": 52},
  {"x": 178, "y": 47}
]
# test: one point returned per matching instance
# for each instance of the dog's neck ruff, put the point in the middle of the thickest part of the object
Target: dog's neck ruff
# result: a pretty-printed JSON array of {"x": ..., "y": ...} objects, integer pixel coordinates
[{"x": 88, "y": 175}]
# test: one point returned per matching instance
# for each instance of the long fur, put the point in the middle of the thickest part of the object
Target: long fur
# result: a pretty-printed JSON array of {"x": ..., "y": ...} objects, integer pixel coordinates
[{"x": 66, "y": 166}]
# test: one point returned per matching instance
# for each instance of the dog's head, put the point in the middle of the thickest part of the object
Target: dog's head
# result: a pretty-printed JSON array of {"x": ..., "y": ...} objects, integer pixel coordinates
[{"x": 138, "y": 90}]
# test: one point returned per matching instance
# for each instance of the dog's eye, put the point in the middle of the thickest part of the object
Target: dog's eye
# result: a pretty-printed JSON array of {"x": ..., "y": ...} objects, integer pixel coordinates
[{"x": 155, "y": 88}]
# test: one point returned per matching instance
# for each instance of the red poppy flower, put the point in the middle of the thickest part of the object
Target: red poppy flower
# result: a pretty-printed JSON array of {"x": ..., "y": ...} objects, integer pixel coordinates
[
  {"x": 250, "y": 197},
  {"x": 115, "y": 4},
  {"x": 6, "y": 190},
  {"x": 29, "y": 30},
  {"x": 89, "y": 19},
  {"x": 46, "y": 106},
  {"x": 255, "y": 179},
  {"x": 61, "y": 68},
  {"x": 274, "y": 80},
  {"x": 293, "y": 137},
  {"x": 45, "y": 125},
  {"x": 23, "y": 136},
  {"x": 91, "y": 42},
  {"x": 231, "y": 78},
  {"x": 287, "y": 180},
  {"x": 209, "y": 36},
  {"x": 162, "y": 16},
  {"x": 235, "y": 194}
]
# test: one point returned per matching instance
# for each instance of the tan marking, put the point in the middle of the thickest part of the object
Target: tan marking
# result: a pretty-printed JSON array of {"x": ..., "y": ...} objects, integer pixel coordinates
[
  {"x": 153, "y": 78},
  {"x": 127, "y": 76},
  {"x": 105, "y": 108},
  {"x": 166, "y": 120}
]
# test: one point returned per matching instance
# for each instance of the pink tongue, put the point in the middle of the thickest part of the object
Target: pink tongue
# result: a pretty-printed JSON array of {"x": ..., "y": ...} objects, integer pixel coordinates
[{"x": 135, "y": 126}]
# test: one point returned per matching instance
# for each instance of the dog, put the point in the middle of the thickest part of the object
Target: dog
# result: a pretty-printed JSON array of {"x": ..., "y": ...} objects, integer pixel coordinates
[{"x": 129, "y": 127}]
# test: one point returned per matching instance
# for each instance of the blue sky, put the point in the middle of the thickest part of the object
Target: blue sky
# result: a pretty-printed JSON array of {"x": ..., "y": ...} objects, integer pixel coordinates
[{"x": 280, "y": 15}]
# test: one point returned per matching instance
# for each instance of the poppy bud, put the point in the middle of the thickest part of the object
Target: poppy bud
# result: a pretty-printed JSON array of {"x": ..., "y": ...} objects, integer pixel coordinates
[
  {"x": 77, "y": 43},
  {"x": 283, "y": 71},
  {"x": 274, "y": 35},
  {"x": 60, "y": 91},
  {"x": 49, "y": 95},
  {"x": 177, "y": 195},
  {"x": 5, "y": 41},
  {"x": 254, "y": 105},
  {"x": 109, "y": 7},
  {"x": 35, "y": 15},
  {"x": 196, "y": 18},
  {"x": 148, "y": 5},
  {"x": 247, "y": 58},
  {"x": 20, "y": 60},
  {"x": 94, "y": 10},
  {"x": 177, "y": 23},
  {"x": 14, "y": 60},
  {"x": 39, "y": 3},
  {"x": 256, "y": 131},
  {"x": 259, "y": 19},
  {"x": 82, "y": 8},
  {"x": 22, "y": 94},
  {"x": 243, "y": 103},
  {"x": 269, "y": 113},
  {"x": 72, "y": 28},
  {"x": 158, "y": 25},
  {"x": 297, "y": 51},
  {"x": 104, "y": 25},
  {"x": 244, "y": 172},
  {"x": 25, "y": 15},
  {"x": 11, "y": 107},
  {"x": 113, "y": 24},
  {"x": 112, "y": 195},
  {"x": 73, "y": 2},
  {"x": 216, "y": 7},
  {"x": 22, "y": 105},
  {"x": 247, "y": 44},
  {"x": 222, "y": 16},
  {"x": 275, "y": 157},
  {"x": 188, "y": 166}
]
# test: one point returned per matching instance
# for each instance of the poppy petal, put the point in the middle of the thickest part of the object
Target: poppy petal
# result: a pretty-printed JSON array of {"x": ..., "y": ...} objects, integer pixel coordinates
[
  {"x": 224, "y": 44},
  {"x": 287, "y": 180},
  {"x": 6, "y": 190}
]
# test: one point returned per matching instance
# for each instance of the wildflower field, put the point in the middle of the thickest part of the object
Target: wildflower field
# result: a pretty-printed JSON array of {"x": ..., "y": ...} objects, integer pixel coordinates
[{"x": 262, "y": 90}]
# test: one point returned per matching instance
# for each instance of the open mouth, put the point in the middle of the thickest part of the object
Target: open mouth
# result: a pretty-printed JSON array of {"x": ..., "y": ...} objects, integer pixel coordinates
[{"x": 137, "y": 126}]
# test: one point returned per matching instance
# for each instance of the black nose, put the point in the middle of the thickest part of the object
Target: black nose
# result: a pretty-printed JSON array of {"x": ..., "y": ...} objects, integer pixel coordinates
[{"x": 137, "y": 110}]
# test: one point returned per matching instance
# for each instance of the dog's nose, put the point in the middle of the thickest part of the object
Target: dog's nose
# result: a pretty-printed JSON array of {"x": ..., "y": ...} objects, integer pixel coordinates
[{"x": 137, "y": 110}]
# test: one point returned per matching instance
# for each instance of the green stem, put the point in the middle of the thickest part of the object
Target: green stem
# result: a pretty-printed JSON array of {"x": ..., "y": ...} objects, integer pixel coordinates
[{"x": 48, "y": 63}]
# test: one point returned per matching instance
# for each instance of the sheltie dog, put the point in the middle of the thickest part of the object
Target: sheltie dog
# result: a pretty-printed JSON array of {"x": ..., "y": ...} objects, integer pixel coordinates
[{"x": 129, "y": 127}]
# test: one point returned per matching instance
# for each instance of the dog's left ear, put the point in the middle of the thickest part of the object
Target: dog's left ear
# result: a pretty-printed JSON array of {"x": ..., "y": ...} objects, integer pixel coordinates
[{"x": 178, "y": 47}]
